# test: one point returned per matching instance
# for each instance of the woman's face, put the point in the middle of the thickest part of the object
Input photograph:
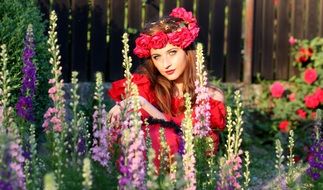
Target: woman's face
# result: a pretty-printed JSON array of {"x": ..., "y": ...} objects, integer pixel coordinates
[{"x": 170, "y": 61}]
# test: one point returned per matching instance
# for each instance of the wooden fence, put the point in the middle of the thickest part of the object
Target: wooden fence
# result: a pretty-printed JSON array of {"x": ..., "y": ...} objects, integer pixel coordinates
[{"x": 90, "y": 31}]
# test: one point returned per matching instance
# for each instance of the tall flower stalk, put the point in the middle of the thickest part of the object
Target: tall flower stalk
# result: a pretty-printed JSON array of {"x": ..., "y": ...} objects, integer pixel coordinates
[
  {"x": 231, "y": 163},
  {"x": 202, "y": 108},
  {"x": 87, "y": 175},
  {"x": 100, "y": 145},
  {"x": 133, "y": 164},
  {"x": 188, "y": 156},
  {"x": 279, "y": 165},
  {"x": 54, "y": 118},
  {"x": 24, "y": 105}
]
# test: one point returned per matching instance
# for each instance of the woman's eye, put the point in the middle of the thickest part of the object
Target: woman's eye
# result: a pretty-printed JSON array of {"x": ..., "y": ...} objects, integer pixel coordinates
[
  {"x": 155, "y": 57},
  {"x": 172, "y": 52}
]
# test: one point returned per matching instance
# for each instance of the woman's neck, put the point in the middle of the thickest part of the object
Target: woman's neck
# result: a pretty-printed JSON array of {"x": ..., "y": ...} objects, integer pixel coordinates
[{"x": 179, "y": 86}]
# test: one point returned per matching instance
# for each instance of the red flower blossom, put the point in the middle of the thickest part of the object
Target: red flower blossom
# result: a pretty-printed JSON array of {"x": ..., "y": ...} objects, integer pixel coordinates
[
  {"x": 292, "y": 97},
  {"x": 319, "y": 93},
  {"x": 311, "y": 101},
  {"x": 284, "y": 126},
  {"x": 301, "y": 113},
  {"x": 310, "y": 75},
  {"x": 159, "y": 40},
  {"x": 142, "y": 46},
  {"x": 304, "y": 54},
  {"x": 277, "y": 89}
]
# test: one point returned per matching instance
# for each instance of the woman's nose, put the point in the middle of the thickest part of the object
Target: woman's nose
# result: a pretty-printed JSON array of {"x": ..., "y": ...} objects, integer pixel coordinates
[{"x": 166, "y": 63}]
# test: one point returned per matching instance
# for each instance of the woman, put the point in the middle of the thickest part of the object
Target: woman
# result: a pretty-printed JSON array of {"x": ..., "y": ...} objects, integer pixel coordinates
[{"x": 167, "y": 73}]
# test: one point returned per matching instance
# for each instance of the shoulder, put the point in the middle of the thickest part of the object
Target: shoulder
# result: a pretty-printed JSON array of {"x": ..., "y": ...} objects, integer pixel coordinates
[{"x": 216, "y": 93}]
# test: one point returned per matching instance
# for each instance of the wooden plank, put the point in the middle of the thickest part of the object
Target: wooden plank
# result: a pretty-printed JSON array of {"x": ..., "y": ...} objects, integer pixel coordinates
[
  {"x": 321, "y": 19},
  {"x": 282, "y": 48},
  {"x": 62, "y": 8},
  {"x": 267, "y": 66},
  {"x": 80, "y": 10},
  {"x": 297, "y": 13},
  {"x": 258, "y": 32},
  {"x": 297, "y": 27},
  {"x": 203, "y": 21},
  {"x": 98, "y": 49},
  {"x": 247, "y": 64},
  {"x": 233, "y": 64},
  {"x": 134, "y": 14},
  {"x": 152, "y": 10},
  {"x": 169, "y": 5},
  {"x": 311, "y": 19},
  {"x": 216, "y": 66},
  {"x": 115, "y": 70},
  {"x": 187, "y": 4}
]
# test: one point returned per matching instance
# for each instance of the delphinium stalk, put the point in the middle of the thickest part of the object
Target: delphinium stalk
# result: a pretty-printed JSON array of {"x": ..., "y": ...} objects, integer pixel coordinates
[
  {"x": 24, "y": 105},
  {"x": 202, "y": 108},
  {"x": 100, "y": 131},
  {"x": 50, "y": 182},
  {"x": 231, "y": 164},
  {"x": 32, "y": 167},
  {"x": 78, "y": 128},
  {"x": 54, "y": 118},
  {"x": 188, "y": 156},
  {"x": 291, "y": 162},
  {"x": 315, "y": 169},
  {"x": 246, "y": 173},
  {"x": 132, "y": 165},
  {"x": 279, "y": 166},
  {"x": 4, "y": 88},
  {"x": 87, "y": 175}
]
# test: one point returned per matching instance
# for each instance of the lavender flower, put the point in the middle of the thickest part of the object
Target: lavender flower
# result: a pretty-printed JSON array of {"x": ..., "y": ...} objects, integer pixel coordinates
[
  {"x": 316, "y": 160},
  {"x": 24, "y": 105}
]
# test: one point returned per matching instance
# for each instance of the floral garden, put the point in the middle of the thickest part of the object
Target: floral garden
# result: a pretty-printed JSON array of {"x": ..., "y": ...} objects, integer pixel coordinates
[{"x": 50, "y": 139}]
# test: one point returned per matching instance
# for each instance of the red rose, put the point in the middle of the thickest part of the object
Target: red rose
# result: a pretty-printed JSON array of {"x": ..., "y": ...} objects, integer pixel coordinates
[
  {"x": 301, "y": 113},
  {"x": 291, "y": 97},
  {"x": 283, "y": 126},
  {"x": 180, "y": 12},
  {"x": 292, "y": 41},
  {"x": 304, "y": 54},
  {"x": 181, "y": 38},
  {"x": 159, "y": 40},
  {"x": 142, "y": 48},
  {"x": 194, "y": 30},
  {"x": 277, "y": 89},
  {"x": 319, "y": 93},
  {"x": 310, "y": 75},
  {"x": 311, "y": 101}
]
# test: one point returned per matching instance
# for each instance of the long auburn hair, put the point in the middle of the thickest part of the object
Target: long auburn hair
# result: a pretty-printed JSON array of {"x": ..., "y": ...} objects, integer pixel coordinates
[{"x": 164, "y": 88}]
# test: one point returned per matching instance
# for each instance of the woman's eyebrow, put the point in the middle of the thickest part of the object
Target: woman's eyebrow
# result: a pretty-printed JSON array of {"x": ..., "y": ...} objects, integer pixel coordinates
[{"x": 172, "y": 49}]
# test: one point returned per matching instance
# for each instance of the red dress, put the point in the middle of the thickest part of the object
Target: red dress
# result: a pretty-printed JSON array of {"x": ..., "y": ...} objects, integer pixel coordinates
[{"x": 173, "y": 139}]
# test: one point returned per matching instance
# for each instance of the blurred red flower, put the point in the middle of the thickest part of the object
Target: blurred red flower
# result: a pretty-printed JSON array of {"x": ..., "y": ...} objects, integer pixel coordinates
[
  {"x": 284, "y": 126},
  {"x": 310, "y": 75},
  {"x": 277, "y": 89}
]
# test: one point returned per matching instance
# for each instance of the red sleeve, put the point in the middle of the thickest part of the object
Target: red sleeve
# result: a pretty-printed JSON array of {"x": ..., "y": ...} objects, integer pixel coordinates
[
  {"x": 218, "y": 114},
  {"x": 116, "y": 92}
]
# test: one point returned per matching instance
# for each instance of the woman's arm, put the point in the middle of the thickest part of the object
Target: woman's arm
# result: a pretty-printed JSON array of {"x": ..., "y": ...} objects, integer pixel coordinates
[{"x": 115, "y": 111}]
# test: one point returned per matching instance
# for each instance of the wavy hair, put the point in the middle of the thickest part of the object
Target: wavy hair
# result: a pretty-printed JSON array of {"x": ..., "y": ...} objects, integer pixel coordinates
[{"x": 164, "y": 88}]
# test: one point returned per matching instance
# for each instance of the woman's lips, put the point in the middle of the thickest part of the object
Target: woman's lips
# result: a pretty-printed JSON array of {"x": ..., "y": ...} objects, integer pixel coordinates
[{"x": 170, "y": 72}]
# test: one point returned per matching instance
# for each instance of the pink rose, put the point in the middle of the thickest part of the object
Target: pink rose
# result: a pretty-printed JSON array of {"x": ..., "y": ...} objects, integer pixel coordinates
[
  {"x": 291, "y": 97},
  {"x": 142, "y": 48},
  {"x": 194, "y": 31},
  {"x": 284, "y": 126},
  {"x": 159, "y": 40},
  {"x": 301, "y": 113},
  {"x": 292, "y": 41},
  {"x": 277, "y": 89},
  {"x": 181, "y": 38},
  {"x": 310, "y": 75},
  {"x": 311, "y": 101}
]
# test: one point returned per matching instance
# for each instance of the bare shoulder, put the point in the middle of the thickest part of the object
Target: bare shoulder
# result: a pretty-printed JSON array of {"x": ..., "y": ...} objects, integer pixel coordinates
[{"x": 216, "y": 93}]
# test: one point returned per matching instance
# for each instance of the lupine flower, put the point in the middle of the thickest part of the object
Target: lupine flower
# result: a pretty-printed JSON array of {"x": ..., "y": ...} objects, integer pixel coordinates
[
  {"x": 87, "y": 176},
  {"x": 24, "y": 105},
  {"x": 202, "y": 108},
  {"x": 279, "y": 165},
  {"x": 132, "y": 163},
  {"x": 188, "y": 157}
]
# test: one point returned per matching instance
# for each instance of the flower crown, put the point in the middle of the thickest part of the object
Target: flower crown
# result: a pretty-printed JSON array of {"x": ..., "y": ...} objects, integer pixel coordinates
[{"x": 182, "y": 37}]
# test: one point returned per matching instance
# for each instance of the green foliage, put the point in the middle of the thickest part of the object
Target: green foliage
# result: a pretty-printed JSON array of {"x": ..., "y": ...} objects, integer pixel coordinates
[{"x": 15, "y": 16}]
